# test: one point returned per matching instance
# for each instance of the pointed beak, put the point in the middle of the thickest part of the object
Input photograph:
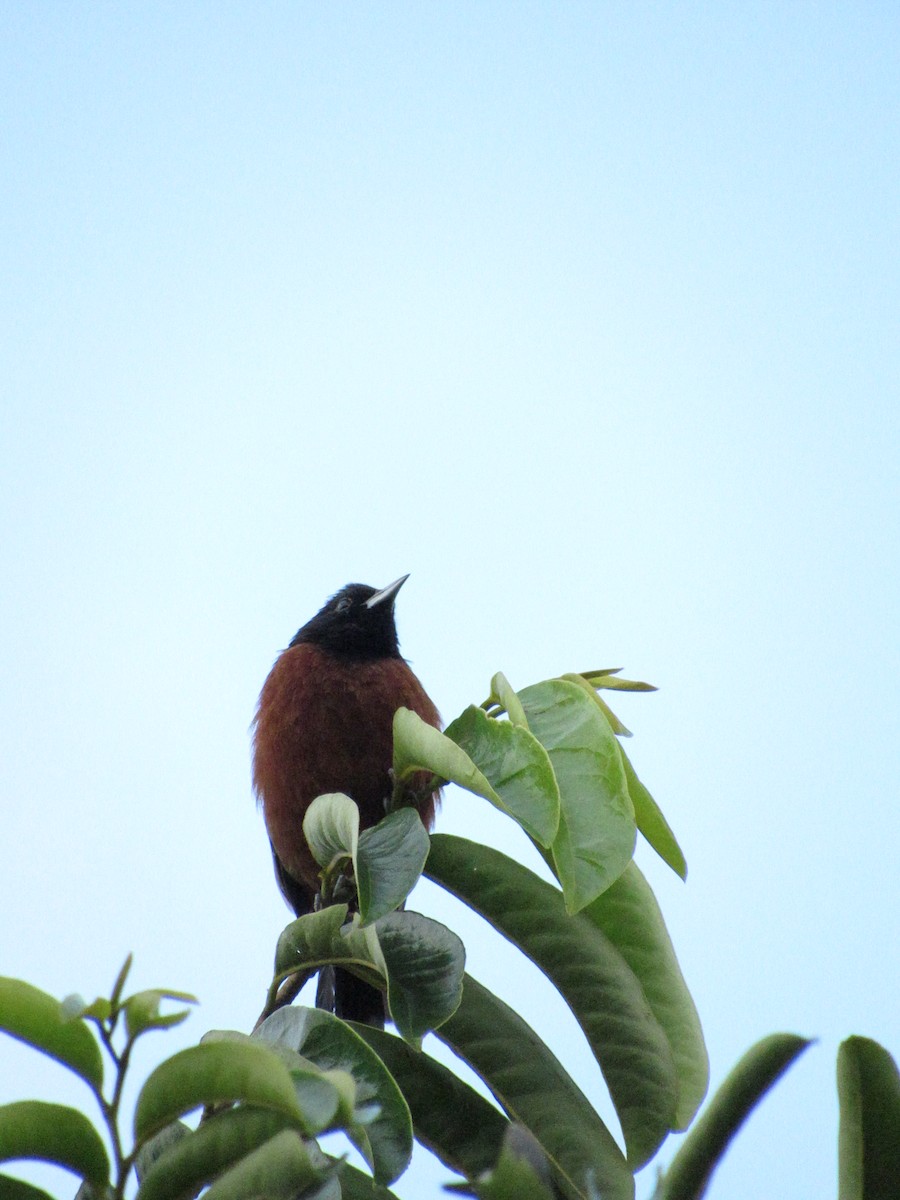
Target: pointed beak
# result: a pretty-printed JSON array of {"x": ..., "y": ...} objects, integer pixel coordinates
[{"x": 386, "y": 595}]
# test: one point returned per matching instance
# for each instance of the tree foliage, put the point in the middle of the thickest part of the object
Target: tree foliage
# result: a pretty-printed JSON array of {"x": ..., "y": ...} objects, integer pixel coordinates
[{"x": 550, "y": 757}]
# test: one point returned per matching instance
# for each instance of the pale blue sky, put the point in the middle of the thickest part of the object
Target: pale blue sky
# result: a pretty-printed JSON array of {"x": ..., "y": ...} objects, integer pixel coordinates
[{"x": 584, "y": 315}]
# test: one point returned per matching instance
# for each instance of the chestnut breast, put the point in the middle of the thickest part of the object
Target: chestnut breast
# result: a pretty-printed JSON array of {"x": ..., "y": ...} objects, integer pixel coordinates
[{"x": 325, "y": 724}]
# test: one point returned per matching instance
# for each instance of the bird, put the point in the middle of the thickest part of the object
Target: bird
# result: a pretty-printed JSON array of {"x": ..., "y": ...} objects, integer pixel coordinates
[{"x": 324, "y": 723}]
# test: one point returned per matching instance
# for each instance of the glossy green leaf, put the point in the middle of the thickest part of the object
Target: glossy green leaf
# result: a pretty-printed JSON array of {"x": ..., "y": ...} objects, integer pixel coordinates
[
  {"x": 590, "y": 973},
  {"x": 534, "y": 1089},
  {"x": 310, "y": 941},
  {"x": 309, "y": 938},
  {"x": 213, "y": 1073},
  {"x": 331, "y": 827},
  {"x": 17, "y": 1189},
  {"x": 704, "y": 1146},
  {"x": 597, "y": 832},
  {"x": 651, "y": 822},
  {"x": 389, "y": 860},
  {"x": 281, "y": 1169},
  {"x": 629, "y": 915},
  {"x": 869, "y": 1131},
  {"x": 56, "y": 1134},
  {"x": 142, "y": 1010},
  {"x": 385, "y": 1139},
  {"x": 454, "y": 1121},
  {"x": 324, "y": 937},
  {"x": 418, "y": 746},
  {"x": 36, "y": 1018},
  {"x": 425, "y": 962},
  {"x": 196, "y": 1159},
  {"x": 516, "y": 766}
]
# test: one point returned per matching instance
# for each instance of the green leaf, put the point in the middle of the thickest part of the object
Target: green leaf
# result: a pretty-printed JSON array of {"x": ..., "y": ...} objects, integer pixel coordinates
[
  {"x": 159, "y": 1145},
  {"x": 614, "y": 723},
  {"x": 355, "y": 1185},
  {"x": 629, "y": 915},
  {"x": 142, "y": 1010},
  {"x": 17, "y": 1189},
  {"x": 590, "y": 973},
  {"x": 88, "y": 1192},
  {"x": 280, "y": 1168},
  {"x": 522, "y": 1171},
  {"x": 331, "y": 828},
  {"x": 502, "y": 693},
  {"x": 119, "y": 985},
  {"x": 869, "y": 1131},
  {"x": 704, "y": 1146},
  {"x": 388, "y": 862},
  {"x": 597, "y": 832},
  {"x": 651, "y": 822},
  {"x": 56, "y": 1134},
  {"x": 605, "y": 679},
  {"x": 517, "y": 767},
  {"x": 385, "y": 1141},
  {"x": 308, "y": 940},
  {"x": 76, "y": 1006},
  {"x": 314, "y": 940},
  {"x": 36, "y": 1018},
  {"x": 534, "y": 1089},
  {"x": 214, "y": 1073},
  {"x": 195, "y": 1160},
  {"x": 425, "y": 962},
  {"x": 418, "y": 746},
  {"x": 454, "y": 1121},
  {"x": 420, "y": 960}
]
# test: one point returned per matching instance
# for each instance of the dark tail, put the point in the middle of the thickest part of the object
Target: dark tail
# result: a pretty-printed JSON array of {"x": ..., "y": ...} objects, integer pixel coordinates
[{"x": 347, "y": 996}]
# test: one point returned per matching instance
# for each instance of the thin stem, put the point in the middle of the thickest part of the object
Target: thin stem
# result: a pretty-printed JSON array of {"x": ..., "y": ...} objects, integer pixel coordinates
[{"x": 110, "y": 1109}]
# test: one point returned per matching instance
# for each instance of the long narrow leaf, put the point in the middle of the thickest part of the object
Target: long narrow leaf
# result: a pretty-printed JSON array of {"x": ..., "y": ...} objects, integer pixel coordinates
[
  {"x": 651, "y": 823},
  {"x": 533, "y": 1088},
  {"x": 590, "y": 973},
  {"x": 629, "y": 915},
  {"x": 869, "y": 1132},
  {"x": 453, "y": 1120},
  {"x": 704, "y": 1147}
]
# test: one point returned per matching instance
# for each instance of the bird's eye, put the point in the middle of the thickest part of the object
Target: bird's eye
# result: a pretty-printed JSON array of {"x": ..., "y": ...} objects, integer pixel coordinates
[{"x": 344, "y": 604}]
